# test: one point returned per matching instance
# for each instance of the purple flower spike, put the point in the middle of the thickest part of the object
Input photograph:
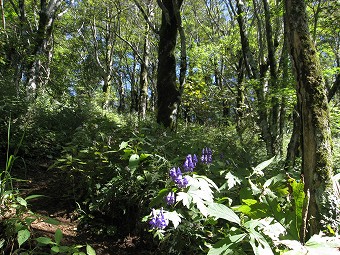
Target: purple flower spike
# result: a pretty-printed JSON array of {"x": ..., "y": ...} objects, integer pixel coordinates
[
  {"x": 170, "y": 198},
  {"x": 177, "y": 178},
  {"x": 173, "y": 173},
  {"x": 206, "y": 156},
  {"x": 182, "y": 182},
  {"x": 194, "y": 159},
  {"x": 189, "y": 163},
  {"x": 158, "y": 221}
]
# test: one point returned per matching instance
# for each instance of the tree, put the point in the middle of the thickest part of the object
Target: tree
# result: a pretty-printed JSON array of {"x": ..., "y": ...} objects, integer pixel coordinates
[
  {"x": 38, "y": 68},
  {"x": 167, "y": 89},
  {"x": 323, "y": 208}
]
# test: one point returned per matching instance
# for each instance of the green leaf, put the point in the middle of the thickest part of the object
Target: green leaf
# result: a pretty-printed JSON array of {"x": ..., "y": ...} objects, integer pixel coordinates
[
  {"x": 258, "y": 169},
  {"x": 58, "y": 236},
  {"x": 2, "y": 242},
  {"x": 259, "y": 243},
  {"x": 133, "y": 162},
  {"x": 23, "y": 236},
  {"x": 55, "y": 249},
  {"x": 232, "y": 180},
  {"x": 174, "y": 217},
  {"x": 221, "y": 247},
  {"x": 253, "y": 208},
  {"x": 90, "y": 250},
  {"x": 51, "y": 221},
  {"x": 298, "y": 196},
  {"x": 227, "y": 245},
  {"x": 29, "y": 220},
  {"x": 159, "y": 198},
  {"x": 185, "y": 198},
  {"x": 33, "y": 196},
  {"x": 144, "y": 156},
  {"x": 221, "y": 211},
  {"x": 22, "y": 201},
  {"x": 44, "y": 240},
  {"x": 123, "y": 145}
]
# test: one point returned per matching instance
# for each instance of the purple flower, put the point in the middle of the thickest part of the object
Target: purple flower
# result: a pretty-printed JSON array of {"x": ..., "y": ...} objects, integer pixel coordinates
[
  {"x": 174, "y": 173},
  {"x": 178, "y": 179},
  {"x": 206, "y": 156},
  {"x": 194, "y": 159},
  {"x": 170, "y": 198},
  {"x": 190, "y": 163},
  {"x": 182, "y": 182},
  {"x": 158, "y": 221}
]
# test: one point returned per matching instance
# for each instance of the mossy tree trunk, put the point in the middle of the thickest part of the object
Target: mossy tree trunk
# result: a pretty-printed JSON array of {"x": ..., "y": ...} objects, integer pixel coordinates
[
  {"x": 317, "y": 168},
  {"x": 167, "y": 89}
]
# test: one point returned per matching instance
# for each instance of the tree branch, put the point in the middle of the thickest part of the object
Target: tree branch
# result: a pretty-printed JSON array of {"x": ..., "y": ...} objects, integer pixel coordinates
[
  {"x": 165, "y": 11},
  {"x": 334, "y": 88},
  {"x": 152, "y": 26}
]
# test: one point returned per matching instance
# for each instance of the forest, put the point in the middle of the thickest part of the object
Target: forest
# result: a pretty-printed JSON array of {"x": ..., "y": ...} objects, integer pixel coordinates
[{"x": 170, "y": 127}]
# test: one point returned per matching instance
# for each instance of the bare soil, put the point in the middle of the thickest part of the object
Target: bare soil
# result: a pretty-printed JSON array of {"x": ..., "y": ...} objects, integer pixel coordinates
[{"x": 57, "y": 204}]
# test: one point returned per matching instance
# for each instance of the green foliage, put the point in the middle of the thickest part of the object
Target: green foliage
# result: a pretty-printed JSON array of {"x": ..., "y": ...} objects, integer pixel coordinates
[{"x": 267, "y": 221}]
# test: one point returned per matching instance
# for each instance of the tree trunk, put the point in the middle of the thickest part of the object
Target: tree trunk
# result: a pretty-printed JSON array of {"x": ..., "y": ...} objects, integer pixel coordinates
[
  {"x": 144, "y": 82},
  {"x": 257, "y": 73},
  {"x": 275, "y": 139},
  {"x": 167, "y": 89},
  {"x": 38, "y": 71},
  {"x": 240, "y": 99},
  {"x": 317, "y": 169}
]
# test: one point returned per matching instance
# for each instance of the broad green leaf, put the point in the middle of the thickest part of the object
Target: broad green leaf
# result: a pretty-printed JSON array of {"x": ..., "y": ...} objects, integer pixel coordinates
[
  {"x": 221, "y": 247},
  {"x": 174, "y": 217},
  {"x": 133, "y": 161},
  {"x": 51, "y": 221},
  {"x": 123, "y": 145},
  {"x": 29, "y": 220},
  {"x": 255, "y": 190},
  {"x": 299, "y": 196},
  {"x": 58, "y": 235},
  {"x": 144, "y": 156},
  {"x": 232, "y": 180},
  {"x": 185, "y": 198},
  {"x": 258, "y": 169},
  {"x": 323, "y": 241},
  {"x": 226, "y": 245},
  {"x": 207, "y": 180},
  {"x": 90, "y": 250},
  {"x": 223, "y": 212},
  {"x": 275, "y": 179},
  {"x": 259, "y": 243},
  {"x": 44, "y": 240},
  {"x": 23, "y": 236},
  {"x": 55, "y": 249},
  {"x": 22, "y": 201}
]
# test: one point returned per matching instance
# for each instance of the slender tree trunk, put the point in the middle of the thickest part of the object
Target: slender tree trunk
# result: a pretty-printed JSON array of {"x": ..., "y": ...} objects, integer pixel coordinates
[
  {"x": 167, "y": 89},
  {"x": 257, "y": 73},
  {"x": 134, "y": 88},
  {"x": 121, "y": 93},
  {"x": 274, "y": 122},
  {"x": 144, "y": 82},
  {"x": 240, "y": 98},
  {"x": 317, "y": 168}
]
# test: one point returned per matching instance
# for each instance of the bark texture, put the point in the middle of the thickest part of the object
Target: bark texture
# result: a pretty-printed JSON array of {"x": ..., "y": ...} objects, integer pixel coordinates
[
  {"x": 167, "y": 89},
  {"x": 323, "y": 209}
]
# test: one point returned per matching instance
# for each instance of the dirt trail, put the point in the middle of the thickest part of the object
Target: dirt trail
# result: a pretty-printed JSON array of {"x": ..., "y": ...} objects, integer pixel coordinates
[{"x": 57, "y": 204}]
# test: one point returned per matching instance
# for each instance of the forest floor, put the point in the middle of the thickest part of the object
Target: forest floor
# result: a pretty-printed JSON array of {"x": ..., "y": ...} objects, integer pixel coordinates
[{"x": 57, "y": 204}]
